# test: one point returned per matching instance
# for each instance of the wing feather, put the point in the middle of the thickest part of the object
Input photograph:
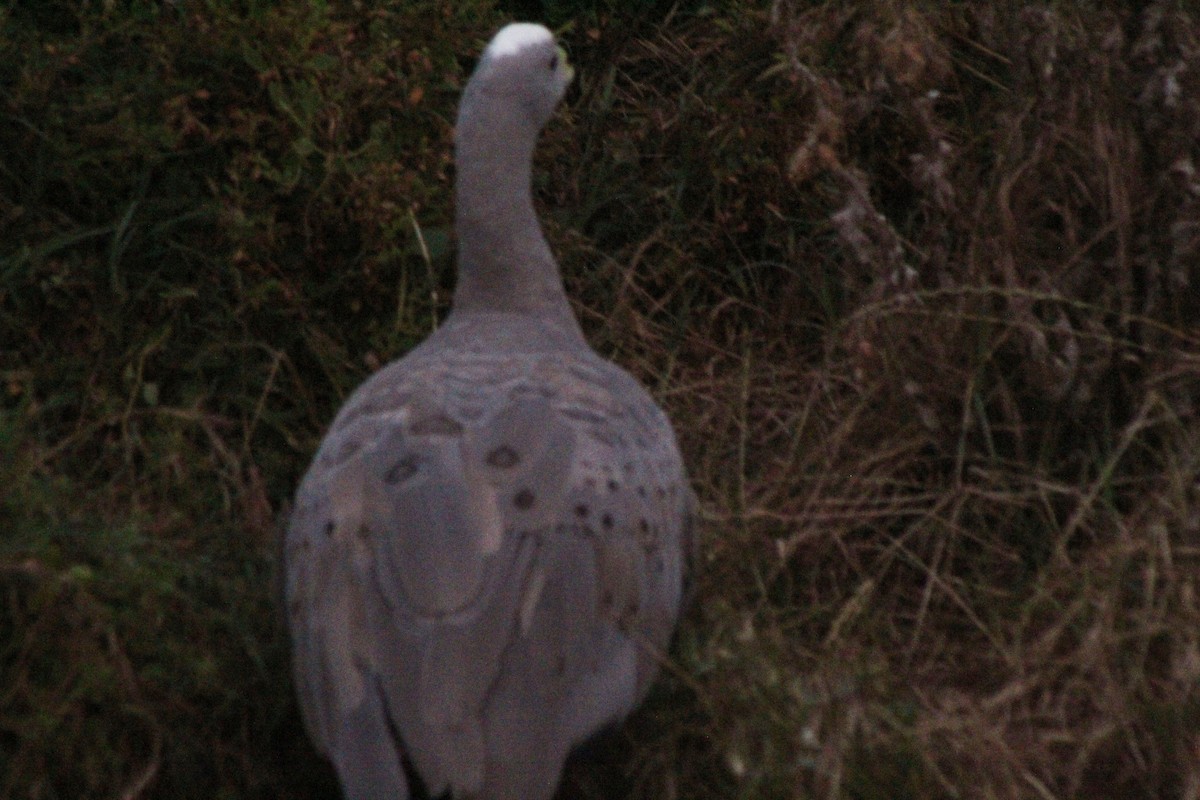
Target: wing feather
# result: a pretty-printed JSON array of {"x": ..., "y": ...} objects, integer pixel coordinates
[{"x": 491, "y": 571}]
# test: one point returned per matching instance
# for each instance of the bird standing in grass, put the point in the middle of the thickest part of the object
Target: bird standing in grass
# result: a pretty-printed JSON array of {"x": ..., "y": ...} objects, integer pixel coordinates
[{"x": 486, "y": 557}]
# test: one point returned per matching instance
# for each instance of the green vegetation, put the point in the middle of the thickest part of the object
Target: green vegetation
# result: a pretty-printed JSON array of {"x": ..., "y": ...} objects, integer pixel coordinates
[{"x": 919, "y": 284}]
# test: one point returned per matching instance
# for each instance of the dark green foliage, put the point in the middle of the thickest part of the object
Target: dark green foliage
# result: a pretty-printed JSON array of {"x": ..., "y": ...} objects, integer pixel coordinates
[
  {"x": 917, "y": 283},
  {"x": 207, "y": 213},
  {"x": 569, "y": 13}
]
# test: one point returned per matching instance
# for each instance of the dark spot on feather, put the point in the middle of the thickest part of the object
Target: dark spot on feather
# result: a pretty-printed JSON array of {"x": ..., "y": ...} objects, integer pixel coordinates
[
  {"x": 345, "y": 450},
  {"x": 436, "y": 425},
  {"x": 329, "y": 528},
  {"x": 644, "y": 525},
  {"x": 641, "y": 490},
  {"x": 581, "y": 510},
  {"x": 613, "y": 485},
  {"x": 606, "y": 598},
  {"x": 503, "y": 457},
  {"x": 523, "y": 499},
  {"x": 604, "y": 437},
  {"x": 401, "y": 471},
  {"x": 607, "y": 522}
]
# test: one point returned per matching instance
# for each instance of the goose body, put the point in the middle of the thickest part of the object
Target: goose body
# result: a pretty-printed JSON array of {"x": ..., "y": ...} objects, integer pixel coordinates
[{"x": 486, "y": 557}]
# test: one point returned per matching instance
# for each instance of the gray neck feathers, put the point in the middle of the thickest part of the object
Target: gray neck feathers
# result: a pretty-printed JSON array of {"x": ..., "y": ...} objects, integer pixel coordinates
[{"x": 504, "y": 263}]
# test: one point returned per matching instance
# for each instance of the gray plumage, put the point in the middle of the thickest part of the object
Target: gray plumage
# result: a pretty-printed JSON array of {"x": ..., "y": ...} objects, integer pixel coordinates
[{"x": 486, "y": 556}]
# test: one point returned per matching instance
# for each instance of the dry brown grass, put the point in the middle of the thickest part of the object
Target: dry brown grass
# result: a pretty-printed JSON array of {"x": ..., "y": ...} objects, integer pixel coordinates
[
  {"x": 919, "y": 284},
  {"x": 946, "y": 427}
]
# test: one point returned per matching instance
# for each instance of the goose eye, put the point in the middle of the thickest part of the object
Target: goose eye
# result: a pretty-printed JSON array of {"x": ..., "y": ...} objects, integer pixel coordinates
[{"x": 554, "y": 62}]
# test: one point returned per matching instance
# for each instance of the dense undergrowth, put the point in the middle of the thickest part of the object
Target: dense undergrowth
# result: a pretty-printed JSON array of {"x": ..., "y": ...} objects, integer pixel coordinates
[{"x": 919, "y": 284}]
